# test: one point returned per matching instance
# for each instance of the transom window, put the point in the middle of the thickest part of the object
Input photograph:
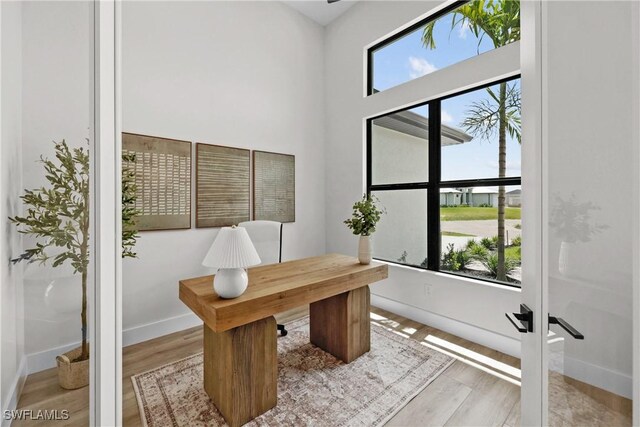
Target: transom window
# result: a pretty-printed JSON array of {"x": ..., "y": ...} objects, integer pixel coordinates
[{"x": 460, "y": 31}]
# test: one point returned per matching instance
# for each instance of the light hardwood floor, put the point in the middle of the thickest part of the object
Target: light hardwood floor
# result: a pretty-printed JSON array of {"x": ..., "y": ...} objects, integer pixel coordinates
[{"x": 479, "y": 389}]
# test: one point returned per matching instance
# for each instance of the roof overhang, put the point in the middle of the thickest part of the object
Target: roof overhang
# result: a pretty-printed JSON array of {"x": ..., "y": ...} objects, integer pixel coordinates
[{"x": 416, "y": 125}]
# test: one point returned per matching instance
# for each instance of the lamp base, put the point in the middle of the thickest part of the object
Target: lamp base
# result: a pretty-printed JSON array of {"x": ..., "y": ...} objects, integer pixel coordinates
[{"x": 230, "y": 282}]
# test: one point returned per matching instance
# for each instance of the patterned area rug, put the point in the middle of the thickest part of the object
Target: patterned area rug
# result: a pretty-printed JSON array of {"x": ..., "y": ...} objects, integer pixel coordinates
[{"x": 314, "y": 388}]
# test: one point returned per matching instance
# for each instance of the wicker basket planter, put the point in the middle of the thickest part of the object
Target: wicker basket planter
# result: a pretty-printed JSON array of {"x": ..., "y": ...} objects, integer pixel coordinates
[{"x": 72, "y": 375}]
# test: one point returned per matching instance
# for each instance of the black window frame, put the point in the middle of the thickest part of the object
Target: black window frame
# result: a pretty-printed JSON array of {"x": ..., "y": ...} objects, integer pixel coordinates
[
  {"x": 435, "y": 183},
  {"x": 401, "y": 34}
]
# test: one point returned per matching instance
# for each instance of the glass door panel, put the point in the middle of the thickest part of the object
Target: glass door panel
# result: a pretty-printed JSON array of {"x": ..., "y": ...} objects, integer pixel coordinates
[
  {"x": 47, "y": 143},
  {"x": 588, "y": 212}
]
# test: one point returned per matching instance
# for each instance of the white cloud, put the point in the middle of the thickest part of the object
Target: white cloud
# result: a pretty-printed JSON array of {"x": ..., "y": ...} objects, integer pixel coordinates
[
  {"x": 446, "y": 117},
  {"x": 463, "y": 30},
  {"x": 420, "y": 67}
]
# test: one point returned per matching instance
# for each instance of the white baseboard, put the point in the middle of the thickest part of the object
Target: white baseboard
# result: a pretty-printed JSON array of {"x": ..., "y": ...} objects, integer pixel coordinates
[
  {"x": 46, "y": 359},
  {"x": 153, "y": 330},
  {"x": 487, "y": 338},
  {"x": 613, "y": 381},
  {"x": 11, "y": 400}
]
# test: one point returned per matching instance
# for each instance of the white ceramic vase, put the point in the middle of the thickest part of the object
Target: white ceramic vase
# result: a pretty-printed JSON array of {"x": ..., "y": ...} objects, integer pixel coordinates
[
  {"x": 365, "y": 250},
  {"x": 565, "y": 258},
  {"x": 64, "y": 295},
  {"x": 230, "y": 282}
]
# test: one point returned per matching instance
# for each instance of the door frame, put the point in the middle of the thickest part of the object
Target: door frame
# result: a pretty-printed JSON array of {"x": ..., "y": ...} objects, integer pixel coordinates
[
  {"x": 534, "y": 390},
  {"x": 106, "y": 317},
  {"x": 635, "y": 16}
]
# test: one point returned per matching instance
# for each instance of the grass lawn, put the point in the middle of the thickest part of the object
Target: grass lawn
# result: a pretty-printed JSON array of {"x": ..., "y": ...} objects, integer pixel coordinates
[
  {"x": 472, "y": 213},
  {"x": 456, "y": 234},
  {"x": 513, "y": 252}
]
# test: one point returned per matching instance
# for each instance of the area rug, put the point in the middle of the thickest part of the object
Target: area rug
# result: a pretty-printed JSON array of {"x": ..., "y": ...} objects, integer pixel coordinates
[{"x": 314, "y": 388}]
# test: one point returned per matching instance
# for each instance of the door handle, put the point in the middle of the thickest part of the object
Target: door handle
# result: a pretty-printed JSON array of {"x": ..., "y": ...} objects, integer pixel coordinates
[
  {"x": 522, "y": 321},
  {"x": 566, "y": 326}
]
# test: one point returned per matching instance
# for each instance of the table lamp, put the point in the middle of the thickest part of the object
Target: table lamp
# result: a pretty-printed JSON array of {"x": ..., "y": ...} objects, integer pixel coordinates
[{"x": 231, "y": 252}]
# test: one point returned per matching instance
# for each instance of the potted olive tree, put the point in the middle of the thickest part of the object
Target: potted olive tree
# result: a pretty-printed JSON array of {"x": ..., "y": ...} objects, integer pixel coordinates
[
  {"x": 362, "y": 223},
  {"x": 58, "y": 217}
]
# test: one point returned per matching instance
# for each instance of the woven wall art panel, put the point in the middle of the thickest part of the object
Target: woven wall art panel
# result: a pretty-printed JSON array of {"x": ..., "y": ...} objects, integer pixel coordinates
[
  {"x": 274, "y": 187},
  {"x": 163, "y": 181},
  {"x": 222, "y": 185}
]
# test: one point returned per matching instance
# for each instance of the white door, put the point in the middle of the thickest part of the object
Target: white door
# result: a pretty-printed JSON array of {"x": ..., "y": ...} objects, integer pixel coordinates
[{"x": 578, "y": 171}]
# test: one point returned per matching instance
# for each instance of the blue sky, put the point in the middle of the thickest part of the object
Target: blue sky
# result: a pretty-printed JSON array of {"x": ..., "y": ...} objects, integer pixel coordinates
[{"x": 407, "y": 59}]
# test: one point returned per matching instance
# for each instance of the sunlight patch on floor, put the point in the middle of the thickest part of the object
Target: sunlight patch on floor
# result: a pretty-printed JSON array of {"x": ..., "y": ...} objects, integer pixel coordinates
[
  {"x": 484, "y": 363},
  {"x": 383, "y": 321},
  {"x": 409, "y": 331},
  {"x": 479, "y": 361}
]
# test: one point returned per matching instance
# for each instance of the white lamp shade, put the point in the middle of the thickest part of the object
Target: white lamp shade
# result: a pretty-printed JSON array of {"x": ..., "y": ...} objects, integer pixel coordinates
[{"x": 232, "y": 248}]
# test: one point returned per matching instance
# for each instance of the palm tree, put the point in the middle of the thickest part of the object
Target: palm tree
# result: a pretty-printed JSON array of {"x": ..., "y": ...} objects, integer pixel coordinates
[{"x": 499, "y": 20}]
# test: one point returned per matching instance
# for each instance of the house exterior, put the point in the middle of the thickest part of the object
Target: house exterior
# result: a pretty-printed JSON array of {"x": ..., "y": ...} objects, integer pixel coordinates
[
  {"x": 450, "y": 197},
  {"x": 482, "y": 196},
  {"x": 514, "y": 198},
  {"x": 400, "y": 153}
]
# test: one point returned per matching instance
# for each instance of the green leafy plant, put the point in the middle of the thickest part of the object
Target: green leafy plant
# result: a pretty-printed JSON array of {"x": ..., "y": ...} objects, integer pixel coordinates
[
  {"x": 516, "y": 241},
  {"x": 455, "y": 260},
  {"x": 491, "y": 263},
  {"x": 58, "y": 217},
  {"x": 477, "y": 252},
  {"x": 129, "y": 211},
  {"x": 488, "y": 243},
  {"x": 365, "y": 216}
]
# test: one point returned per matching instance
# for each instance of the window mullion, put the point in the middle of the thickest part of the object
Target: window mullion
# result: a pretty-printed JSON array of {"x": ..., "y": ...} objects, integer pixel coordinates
[
  {"x": 433, "y": 196},
  {"x": 369, "y": 156}
]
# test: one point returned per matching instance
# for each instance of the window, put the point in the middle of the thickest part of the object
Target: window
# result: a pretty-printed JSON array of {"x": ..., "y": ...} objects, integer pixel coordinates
[
  {"x": 444, "y": 38},
  {"x": 448, "y": 174}
]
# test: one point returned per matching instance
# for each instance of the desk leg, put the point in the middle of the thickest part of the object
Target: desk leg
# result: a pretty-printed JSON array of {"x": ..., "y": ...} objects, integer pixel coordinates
[
  {"x": 340, "y": 325},
  {"x": 241, "y": 370}
]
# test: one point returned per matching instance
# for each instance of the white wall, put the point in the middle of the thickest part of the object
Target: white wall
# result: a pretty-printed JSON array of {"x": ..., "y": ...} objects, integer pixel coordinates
[
  {"x": 11, "y": 281},
  {"x": 241, "y": 74},
  {"x": 471, "y": 309},
  {"x": 57, "y": 103}
]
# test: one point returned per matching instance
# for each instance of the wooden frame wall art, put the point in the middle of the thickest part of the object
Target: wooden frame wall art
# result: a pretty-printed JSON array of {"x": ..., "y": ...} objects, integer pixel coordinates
[
  {"x": 274, "y": 186},
  {"x": 222, "y": 185},
  {"x": 163, "y": 181}
]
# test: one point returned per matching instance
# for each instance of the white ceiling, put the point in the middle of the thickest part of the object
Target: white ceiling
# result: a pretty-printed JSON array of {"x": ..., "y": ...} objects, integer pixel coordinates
[{"x": 320, "y": 10}]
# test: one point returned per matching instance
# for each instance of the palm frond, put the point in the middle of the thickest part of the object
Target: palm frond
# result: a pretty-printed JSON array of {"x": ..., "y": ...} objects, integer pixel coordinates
[{"x": 482, "y": 119}]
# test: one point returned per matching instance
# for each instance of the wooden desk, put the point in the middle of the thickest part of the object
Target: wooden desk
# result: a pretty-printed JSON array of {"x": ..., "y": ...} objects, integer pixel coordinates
[{"x": 240, "y": 355}]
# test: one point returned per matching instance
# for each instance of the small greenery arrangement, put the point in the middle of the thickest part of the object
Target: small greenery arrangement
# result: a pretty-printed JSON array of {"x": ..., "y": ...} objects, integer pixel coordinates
[
  {"x": 572, "y": 221},
  {"x": 365, "y": 216},
  {"x": 58, "y": 216}
]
